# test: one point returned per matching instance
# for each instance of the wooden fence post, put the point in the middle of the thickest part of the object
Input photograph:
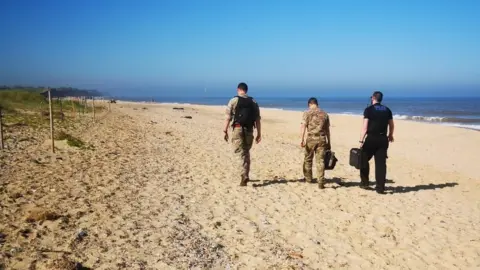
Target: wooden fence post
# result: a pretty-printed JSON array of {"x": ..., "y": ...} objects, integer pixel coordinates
[
  {"x": 79, "y": 107},
  {"x": 51, "y": 119},
  {"x": 2, "y": 146},
  {"x": 93, "y": 108},
  {"x": 73, "y": 108},
  {"x": 61, "y": 108},
  {"x": 84, "y": 101}
]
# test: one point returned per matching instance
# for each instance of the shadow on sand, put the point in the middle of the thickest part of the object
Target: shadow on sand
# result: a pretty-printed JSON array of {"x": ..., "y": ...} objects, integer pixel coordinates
[
  {"x": 342, "y": 184},
  {"x": 284, "y": 181},
  {"x": 401, "y": 189}
]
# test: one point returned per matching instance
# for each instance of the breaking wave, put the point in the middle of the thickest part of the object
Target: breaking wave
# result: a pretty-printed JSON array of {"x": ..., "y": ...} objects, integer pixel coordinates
[{"x": 437, "y": 119}]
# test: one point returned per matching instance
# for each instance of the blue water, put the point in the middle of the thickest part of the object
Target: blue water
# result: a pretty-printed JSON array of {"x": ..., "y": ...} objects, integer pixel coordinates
[{"x": 461, "y": 112}]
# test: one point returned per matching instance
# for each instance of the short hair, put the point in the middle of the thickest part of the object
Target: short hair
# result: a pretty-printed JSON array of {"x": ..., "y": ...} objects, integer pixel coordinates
[
  {"x": 312, "y": 101},
  {"x": 243, "y": 86},
  {"x": 378, "y": 96}
]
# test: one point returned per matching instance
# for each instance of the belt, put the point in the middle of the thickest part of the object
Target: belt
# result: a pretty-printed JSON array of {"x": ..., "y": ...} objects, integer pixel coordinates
[{"x": 377, "y": 135}]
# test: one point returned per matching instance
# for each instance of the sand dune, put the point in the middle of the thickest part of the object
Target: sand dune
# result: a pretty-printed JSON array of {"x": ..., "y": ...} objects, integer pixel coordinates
[{"x": 157, "y": 192}]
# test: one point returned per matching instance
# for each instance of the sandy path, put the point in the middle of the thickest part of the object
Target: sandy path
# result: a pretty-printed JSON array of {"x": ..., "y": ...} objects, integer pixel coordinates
[{"x": 157, "y": 193}]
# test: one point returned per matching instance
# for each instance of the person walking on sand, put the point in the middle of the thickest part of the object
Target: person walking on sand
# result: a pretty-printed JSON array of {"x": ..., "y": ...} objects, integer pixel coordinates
[
  {"x": 245, "y": 113},
  {"x": 377, "y": 118},
  {"x": 316, "y": 124}
]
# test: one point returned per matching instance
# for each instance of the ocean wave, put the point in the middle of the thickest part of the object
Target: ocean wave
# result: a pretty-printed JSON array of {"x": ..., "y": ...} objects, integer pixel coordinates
[
  {"x": 350, "y": 113},
  {"x": 437, "y": 119},
  {"x": 174, "y": 103},
  {"x": 274, "y": 109},
  {"x": 474, "y": 127}
]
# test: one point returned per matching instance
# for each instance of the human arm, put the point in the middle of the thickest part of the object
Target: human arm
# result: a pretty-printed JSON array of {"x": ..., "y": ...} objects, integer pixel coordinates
[
  {"x": 303, "y": 129},
  {"x": 329, "y": 141},
  {"x": 225, "y": 130},
  {"x": 364, "y": 130},
  {"x": 327, "y": 133},
  {"x": 391, "y": 126},
  {"x": 258, "y": 125},
  {"x": 228, "y": 117}
]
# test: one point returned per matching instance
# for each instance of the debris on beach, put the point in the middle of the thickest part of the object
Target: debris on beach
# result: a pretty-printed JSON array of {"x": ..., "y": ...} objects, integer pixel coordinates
[
  {"x": 187, "y": 117},
  {"x": 180, "y": 109},
  {"x": 65, "y": 263},
  {"x": 2, "y": 238},
  {"x": 82, "y": 234},
  {"x": 295, "y": 255},
  {"x": 39, "y": 214}
]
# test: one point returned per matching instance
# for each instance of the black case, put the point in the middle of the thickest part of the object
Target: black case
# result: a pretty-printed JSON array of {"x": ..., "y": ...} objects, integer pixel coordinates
[
  {"x": 330, "y": 160},
  {"x": 356, "y": 158}
]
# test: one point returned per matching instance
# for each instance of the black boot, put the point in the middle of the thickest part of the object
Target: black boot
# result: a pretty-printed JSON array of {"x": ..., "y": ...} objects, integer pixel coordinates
[{"x": 244, "y": 182}]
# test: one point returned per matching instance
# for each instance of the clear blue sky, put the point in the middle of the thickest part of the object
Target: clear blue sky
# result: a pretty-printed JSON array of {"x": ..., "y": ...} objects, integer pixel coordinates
[{"x": 277, "y": 47}]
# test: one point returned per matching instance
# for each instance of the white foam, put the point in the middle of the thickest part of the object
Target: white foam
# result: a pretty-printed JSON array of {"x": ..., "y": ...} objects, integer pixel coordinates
[
  {"x": 174, "y": 103},
  {"x": 475, "y": 127},
  {"x": 419, "y": 118},
  {"x": 273, "y": 109}
]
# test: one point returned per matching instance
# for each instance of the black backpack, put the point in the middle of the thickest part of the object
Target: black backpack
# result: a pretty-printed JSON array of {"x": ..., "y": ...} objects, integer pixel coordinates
[{"x": 245, "y": 112}]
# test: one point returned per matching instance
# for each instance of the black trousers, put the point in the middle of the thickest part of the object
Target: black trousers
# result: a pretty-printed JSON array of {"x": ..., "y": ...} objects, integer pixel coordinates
[{"x": 375, "y": 146}]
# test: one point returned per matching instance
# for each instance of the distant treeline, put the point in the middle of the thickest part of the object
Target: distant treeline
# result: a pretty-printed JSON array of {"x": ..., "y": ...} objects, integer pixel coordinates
[{"x": 56, "y": 91}]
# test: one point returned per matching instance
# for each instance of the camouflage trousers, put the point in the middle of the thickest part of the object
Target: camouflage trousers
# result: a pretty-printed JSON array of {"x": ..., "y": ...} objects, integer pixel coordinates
[
  {"x": 315, "y": 147},
  {"x": 242, "y": 143}
]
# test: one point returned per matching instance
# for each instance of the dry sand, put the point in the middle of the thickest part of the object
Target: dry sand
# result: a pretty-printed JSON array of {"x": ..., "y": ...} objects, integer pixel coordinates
[{"x": 157, "y": 192}]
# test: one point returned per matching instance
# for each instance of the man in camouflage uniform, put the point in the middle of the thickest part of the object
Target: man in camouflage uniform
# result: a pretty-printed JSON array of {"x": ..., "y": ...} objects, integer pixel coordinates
[
  {"x": 316, "y": 124},
  {"x": 242, "y": 137}
]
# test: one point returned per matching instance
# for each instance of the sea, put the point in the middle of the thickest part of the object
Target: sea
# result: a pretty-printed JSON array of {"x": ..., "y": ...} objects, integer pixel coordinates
[{"x": 459, "y": 112}]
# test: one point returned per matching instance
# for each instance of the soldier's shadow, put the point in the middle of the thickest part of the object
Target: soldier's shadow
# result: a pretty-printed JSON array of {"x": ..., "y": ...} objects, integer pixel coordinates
[
  {"x": 341, "y": 183},
  {"x": 398, "y": 189},
  {"x": 286, "y": 181}
]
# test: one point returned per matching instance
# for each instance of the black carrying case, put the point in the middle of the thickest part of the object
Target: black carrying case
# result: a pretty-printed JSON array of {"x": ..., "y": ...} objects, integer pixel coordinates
[
  {"x": 330, "y": 160},
  {"x": 356, "y": 158}
]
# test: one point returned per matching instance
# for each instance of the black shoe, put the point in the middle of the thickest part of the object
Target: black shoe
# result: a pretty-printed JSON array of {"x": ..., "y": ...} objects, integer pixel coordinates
[
  {"x": 364, "y": 184},
  {"x": 321, "y": 186},
  {"x": 244, "y": 182},
  {"x": 380, "y": 191}
]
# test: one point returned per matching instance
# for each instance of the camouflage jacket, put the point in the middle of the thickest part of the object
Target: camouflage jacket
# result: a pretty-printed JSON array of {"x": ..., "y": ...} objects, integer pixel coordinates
[{"x": 316, "y": 121}]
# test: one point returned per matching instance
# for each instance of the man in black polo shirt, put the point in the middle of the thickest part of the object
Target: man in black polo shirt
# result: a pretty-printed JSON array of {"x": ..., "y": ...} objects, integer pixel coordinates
[{"x": 377, "y": 118}]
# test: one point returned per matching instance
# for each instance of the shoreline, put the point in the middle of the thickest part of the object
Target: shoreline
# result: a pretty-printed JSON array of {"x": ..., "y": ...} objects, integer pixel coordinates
[{"x": 395, "y": 117}]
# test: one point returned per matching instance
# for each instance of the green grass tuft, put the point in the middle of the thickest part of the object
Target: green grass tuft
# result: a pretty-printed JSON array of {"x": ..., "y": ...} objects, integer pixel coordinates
[{"x": 71, "y": 141}]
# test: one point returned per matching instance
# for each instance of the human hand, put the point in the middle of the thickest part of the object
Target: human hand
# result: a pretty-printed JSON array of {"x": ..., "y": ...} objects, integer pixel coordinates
[
  {"x": 259, "y": 138},
  {"x": 226, "y": 135},
  {"x": 302, "y": 144},
  {"x": 390, "y": 138}
]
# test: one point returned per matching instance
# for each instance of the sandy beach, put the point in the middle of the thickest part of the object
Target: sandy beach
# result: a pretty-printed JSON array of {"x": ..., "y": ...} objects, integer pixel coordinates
[{"x": 156, "y": 191}]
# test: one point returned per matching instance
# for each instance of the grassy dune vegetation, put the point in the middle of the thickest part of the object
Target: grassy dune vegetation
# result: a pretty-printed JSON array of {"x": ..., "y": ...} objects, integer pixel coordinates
[{"x": 29, "y": 109}]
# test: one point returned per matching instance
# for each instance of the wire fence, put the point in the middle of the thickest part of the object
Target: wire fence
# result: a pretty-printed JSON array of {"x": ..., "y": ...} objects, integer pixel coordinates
[{"x": 46, "y": 114}]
